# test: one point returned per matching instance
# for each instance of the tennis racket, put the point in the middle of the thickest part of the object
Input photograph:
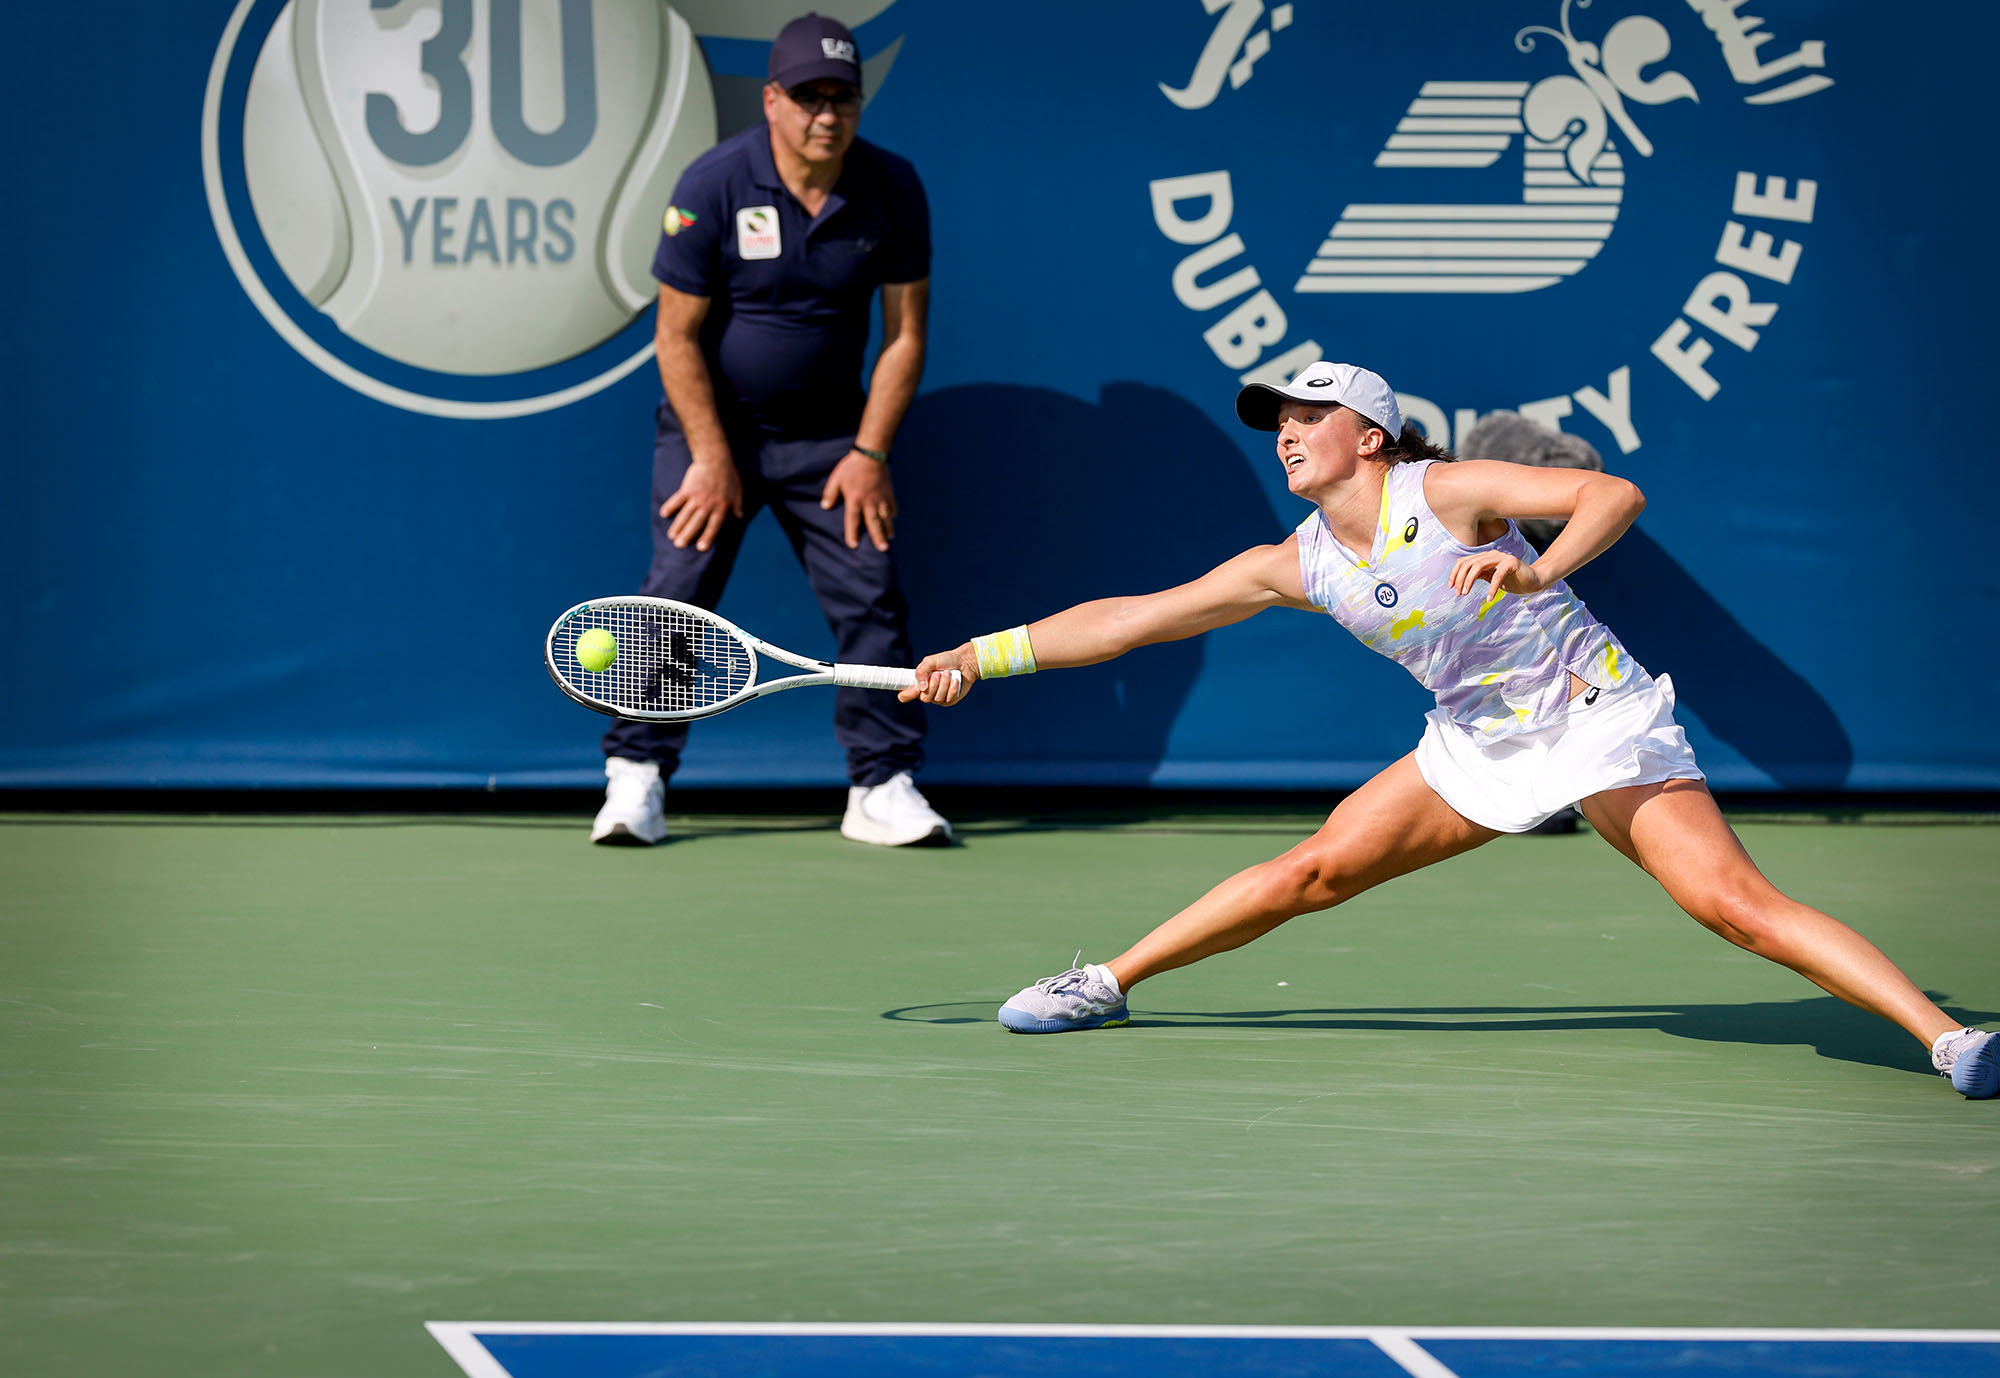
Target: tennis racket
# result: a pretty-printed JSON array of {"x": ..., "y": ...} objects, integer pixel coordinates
[{"x": 676, "y": 662}]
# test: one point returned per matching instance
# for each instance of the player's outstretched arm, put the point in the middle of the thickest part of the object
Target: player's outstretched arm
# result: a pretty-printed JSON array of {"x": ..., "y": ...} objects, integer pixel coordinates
[{"x": 1105, "y": 628}]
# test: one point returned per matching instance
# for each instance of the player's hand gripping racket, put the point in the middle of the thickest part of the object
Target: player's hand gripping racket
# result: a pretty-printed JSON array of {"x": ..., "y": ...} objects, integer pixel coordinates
[{"x": 668, "y": 662}]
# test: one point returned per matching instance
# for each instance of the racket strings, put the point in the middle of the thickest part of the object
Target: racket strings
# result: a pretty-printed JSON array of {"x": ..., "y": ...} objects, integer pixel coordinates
[{"x": 668, "y": 662}]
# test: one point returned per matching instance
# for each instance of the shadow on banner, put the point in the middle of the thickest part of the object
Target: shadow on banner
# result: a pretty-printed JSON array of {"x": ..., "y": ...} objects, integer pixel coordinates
[
  {"x": 1028, "y": 501},
  {"x": 1736, "y": 685}
]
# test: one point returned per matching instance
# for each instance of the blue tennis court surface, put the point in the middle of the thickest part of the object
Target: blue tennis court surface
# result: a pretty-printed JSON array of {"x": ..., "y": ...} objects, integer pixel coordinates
[{"x": 859, "y": 1351}]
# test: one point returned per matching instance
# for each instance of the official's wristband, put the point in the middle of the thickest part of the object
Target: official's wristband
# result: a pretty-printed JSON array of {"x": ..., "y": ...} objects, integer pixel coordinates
[
  {"x": 879, "y": 456},
  {"x": 1004, "y": 653}
]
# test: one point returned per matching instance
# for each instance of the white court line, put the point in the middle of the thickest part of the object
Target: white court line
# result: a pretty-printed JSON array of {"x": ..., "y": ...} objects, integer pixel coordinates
[
  {"x": 464, "y": 1348},
  {"x": 1371, "y": 1333},
  {"x": 1414, "y": 1361},
  {"x": 1060, "y": 1330}
]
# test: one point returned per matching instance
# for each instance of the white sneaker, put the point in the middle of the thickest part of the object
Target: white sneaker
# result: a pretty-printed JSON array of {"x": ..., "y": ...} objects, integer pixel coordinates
[
  {"x": 893, "y": 814},
  {"x": 635, "y": 804},
  {"x": 1084, "y": 997},
  {"x": 1971, "y": 1058}
]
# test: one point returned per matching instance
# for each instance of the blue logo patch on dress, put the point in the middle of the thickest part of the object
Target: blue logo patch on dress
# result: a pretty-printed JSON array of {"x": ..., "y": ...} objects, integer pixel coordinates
[{"x": 1385, "y": 594}]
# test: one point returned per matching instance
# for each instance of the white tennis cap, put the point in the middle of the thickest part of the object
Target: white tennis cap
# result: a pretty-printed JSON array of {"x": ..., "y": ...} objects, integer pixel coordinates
[{"x": 1365, "y": 392}]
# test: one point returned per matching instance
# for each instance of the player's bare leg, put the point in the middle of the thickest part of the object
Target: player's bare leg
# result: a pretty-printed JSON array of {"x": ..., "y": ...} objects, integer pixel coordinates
[
  {"x": 1677, "y": 834},
  {"x": 1389, "y": 827}
]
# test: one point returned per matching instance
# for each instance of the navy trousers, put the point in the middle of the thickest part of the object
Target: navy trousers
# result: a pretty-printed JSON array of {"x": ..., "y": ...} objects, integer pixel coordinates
[{"x": 857, "y": 589}]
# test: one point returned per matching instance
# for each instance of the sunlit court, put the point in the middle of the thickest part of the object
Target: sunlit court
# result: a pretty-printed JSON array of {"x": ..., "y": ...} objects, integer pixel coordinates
[
  {"x": 285, "y": 1089},
  {"x": 1176, "y": 688}
]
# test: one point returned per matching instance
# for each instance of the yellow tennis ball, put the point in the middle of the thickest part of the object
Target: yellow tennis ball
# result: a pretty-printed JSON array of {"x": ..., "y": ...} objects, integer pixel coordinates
[{"x": 596, "y": 649}]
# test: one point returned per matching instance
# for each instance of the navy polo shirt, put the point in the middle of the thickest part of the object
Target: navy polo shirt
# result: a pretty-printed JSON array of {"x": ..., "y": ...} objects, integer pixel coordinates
[{"x": 789, "y": 294}]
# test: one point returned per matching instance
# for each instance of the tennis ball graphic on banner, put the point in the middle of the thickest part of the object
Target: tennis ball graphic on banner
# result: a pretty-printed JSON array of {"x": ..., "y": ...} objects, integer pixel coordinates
[{"x": 467, "y": 187}]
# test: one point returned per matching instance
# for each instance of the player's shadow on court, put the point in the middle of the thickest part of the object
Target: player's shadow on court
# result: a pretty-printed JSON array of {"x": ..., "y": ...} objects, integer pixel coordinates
[
  {"x": 1740, "y": 690},
  {"x": 1830, "y": 1027},
  {"x": 1025, "y": 501}
]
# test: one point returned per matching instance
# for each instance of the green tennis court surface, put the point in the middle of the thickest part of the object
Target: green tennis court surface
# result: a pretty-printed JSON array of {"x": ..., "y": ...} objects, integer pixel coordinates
[{"x": 279, "y": 1091}]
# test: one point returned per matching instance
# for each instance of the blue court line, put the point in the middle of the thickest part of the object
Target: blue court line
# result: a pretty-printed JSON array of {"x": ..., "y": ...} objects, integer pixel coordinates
[{"x": 557, "y": 1350}]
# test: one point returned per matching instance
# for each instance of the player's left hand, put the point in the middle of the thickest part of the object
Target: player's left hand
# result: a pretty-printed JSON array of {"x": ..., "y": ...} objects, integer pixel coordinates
[
  {"x": 1499, "y": 571},
  {"x": 862, "y": 485}
]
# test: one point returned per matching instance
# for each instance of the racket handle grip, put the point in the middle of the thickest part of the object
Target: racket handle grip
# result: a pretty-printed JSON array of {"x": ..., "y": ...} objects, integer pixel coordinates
[{"x": 872, "y": 677}]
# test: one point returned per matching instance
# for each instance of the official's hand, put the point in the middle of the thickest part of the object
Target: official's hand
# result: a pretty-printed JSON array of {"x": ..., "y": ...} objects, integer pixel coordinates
[
  {"x": 709, "y": 493},
  {"x": 1499, "y": 571},
  {"x": 945, "y": 678},
  {"x": 862, "y": 485}
]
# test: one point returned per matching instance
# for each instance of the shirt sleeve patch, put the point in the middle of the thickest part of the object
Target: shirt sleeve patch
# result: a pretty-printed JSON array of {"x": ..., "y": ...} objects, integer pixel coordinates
[{"x": 688, "y": 257}]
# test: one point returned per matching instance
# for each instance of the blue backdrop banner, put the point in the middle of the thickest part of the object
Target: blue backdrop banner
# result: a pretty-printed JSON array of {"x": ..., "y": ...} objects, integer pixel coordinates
[{"x": 332, "y": 343}]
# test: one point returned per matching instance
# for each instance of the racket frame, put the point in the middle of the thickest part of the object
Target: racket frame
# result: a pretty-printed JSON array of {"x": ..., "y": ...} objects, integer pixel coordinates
[{"x": 819, "y": 671}]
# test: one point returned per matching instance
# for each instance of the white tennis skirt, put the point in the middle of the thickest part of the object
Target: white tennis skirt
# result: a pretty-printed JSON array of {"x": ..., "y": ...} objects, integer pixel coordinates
[{"x": 1626, "y": 736}]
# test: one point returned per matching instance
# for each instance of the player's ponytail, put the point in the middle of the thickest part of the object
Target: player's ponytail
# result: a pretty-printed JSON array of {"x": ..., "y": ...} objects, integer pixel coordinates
[{"x": 1411, "y": 447}]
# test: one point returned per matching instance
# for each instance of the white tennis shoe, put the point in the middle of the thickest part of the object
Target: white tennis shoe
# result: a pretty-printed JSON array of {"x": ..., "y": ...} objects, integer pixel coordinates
[
  {"x": 1971, "y": 1058},
  {"x": 893, "y": 814},
  {"x": 1084, "y": 997},
  {"x": 635, "y": 804}
]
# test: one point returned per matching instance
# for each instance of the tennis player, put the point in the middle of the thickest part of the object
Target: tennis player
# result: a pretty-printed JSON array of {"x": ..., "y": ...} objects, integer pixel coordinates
[{"x": 1538, "y": 706}]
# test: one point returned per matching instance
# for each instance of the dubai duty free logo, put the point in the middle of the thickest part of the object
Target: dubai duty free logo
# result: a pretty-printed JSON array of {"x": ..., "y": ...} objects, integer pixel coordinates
[
  {"x": 1569, "y": 105},
  {"x": 451, "y": 206}
]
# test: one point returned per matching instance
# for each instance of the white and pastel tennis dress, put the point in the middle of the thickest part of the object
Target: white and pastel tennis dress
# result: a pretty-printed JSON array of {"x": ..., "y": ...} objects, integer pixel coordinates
[{"x": 1507, "y": 745}]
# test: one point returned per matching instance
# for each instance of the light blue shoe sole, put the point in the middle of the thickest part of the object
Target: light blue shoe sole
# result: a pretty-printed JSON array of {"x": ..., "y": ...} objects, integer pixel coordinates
[
  {"x": 1020, "y": 1021},
  {"x": 1978, "y": 1077}
]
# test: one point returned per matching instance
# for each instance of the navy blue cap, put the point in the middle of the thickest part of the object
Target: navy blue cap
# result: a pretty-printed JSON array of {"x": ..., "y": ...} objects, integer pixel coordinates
[{"x": 815, "y": 48}]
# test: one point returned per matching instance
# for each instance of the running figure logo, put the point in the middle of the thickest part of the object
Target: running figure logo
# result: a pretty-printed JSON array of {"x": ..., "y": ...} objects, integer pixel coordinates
[{"x": 1572, "y": 173}]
